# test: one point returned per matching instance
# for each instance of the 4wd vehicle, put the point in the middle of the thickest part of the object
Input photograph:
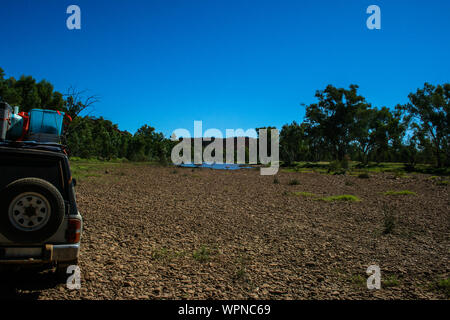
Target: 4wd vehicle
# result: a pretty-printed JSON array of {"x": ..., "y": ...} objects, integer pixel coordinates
[{"x": 39, "y": 221}]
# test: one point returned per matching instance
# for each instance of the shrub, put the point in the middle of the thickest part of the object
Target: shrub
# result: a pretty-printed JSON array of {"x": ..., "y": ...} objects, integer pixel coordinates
[
  {"x": 305, "y": 194},
  {"x": 345, "y": 163},
  {"x": 391, "y": 281},
  {"x": 364, "y": 175},
  {"x": 294, "y": 182},
  {"x": 162, "y": 160},
  {"x": 444, "y": 286},
  {"x": 334, "y": 166},
  {"x": 389, "y": 223},
  {"x": 339, "y": 167},
  {"x": 358, "y": 280},
  {"x": 399, "y": 174},
  {"x": 202, "y": 254},
  {"x": 361, "y": 165},
  {"x": 344, "y": 197},
  {"x": 242, "y": 275},
  {"x": 159, "y": 254},
  {"x": 276, "y": 181},
  {"x": 399, "y": 193}
]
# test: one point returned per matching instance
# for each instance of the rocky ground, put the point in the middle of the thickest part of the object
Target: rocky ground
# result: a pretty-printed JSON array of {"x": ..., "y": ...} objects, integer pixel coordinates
[{"x": 165, "y": 233}]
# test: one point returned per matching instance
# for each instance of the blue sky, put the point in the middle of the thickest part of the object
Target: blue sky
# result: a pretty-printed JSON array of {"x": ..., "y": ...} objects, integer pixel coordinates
[{"x": 230, "y": 63}]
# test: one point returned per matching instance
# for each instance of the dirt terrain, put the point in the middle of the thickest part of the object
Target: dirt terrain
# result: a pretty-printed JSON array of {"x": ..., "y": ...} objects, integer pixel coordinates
[{"x": 165, "y": 233}]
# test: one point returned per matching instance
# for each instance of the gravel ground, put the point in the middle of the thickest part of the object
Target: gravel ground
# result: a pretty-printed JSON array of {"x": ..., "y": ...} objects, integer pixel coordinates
[{"x": 160, "y": 233}]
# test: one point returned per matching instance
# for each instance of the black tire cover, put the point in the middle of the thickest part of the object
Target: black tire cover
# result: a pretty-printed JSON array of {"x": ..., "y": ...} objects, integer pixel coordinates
[{"x": 44, "y": 189}]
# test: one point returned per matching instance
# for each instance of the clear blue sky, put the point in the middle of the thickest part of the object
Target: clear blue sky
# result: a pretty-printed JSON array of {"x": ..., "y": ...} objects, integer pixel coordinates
[{"x": 230, "y": 63}]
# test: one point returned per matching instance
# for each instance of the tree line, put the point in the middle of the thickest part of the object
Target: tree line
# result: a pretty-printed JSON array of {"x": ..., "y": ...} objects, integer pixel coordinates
[
  {"x": 86, "y": 136},
  {"x": 340, "y": 126}
]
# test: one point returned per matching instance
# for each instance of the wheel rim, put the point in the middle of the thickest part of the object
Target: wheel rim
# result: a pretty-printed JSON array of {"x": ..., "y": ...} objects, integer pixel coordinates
[{"x": 29, "y": 211}]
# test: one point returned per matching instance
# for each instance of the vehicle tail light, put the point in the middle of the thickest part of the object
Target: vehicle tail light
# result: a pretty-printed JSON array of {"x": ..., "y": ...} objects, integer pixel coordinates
[{"x": 73, "y": 234}]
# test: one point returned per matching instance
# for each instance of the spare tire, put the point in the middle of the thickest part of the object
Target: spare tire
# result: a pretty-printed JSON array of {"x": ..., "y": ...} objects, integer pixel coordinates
[{"x": 31, "y": 210}]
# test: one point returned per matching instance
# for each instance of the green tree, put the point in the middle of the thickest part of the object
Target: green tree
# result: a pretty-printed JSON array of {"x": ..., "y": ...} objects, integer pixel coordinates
[
  {"x": 428, "y": 115},
  {"x": 334, "y": 117},
  {"x": 293, "y": 143},
  {"x": 380, "y": 131},
  {"x": 366, "y": 132},
  {"x": 28, "y": 94}
]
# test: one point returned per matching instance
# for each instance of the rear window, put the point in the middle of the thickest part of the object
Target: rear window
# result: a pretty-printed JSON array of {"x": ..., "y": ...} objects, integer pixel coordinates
[{"x": 13, "y": 168}]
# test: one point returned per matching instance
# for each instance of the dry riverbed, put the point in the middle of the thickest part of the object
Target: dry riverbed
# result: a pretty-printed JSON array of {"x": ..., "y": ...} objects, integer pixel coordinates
[{"x": 165, "y": 233}]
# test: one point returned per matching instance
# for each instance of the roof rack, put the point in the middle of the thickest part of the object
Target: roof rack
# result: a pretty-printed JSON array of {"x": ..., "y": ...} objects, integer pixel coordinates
[{"x": 49, "y": 146}]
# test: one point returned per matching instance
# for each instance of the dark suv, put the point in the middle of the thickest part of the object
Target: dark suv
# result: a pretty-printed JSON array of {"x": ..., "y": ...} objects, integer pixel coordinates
[{"x": 39, "y": 220}]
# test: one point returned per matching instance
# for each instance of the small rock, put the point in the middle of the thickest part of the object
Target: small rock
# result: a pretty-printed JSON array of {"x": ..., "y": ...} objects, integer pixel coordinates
[{"x": 335, "y": 293}]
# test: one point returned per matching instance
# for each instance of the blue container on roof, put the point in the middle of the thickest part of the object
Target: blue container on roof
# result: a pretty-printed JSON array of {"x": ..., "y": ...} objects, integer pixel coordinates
[{"x": 46, "y": 121}]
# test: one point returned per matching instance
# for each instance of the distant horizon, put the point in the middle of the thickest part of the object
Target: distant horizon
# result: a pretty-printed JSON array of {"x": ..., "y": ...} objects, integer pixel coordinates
[{"x": 92, "y": 113}]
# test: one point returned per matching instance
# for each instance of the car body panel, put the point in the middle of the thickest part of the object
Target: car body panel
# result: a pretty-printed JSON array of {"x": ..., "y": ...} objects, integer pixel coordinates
[{"x": 50, "y": 163}]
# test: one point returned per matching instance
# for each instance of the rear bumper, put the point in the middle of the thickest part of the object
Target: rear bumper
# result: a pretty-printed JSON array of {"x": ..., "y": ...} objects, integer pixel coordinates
[{"x": 39, "y": 255}]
